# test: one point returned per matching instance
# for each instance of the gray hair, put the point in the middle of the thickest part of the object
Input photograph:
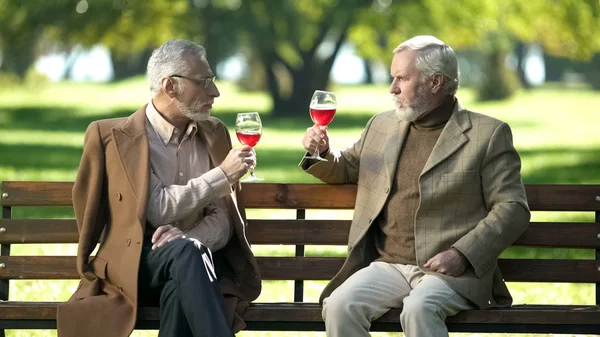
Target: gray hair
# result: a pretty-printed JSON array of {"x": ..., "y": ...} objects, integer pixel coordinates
[
  {"x": 434, "y": 57},
  {"x": 170, "y": 59}
]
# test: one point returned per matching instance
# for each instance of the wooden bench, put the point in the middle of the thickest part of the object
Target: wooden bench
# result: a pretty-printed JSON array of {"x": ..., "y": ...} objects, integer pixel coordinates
[{"x": 302, "y": 316}]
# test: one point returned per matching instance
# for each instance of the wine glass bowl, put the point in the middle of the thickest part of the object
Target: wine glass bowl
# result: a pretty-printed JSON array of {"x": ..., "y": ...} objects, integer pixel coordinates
[
  {"x": 248, "y": 129},
  {"x": 323, "y": 106}
]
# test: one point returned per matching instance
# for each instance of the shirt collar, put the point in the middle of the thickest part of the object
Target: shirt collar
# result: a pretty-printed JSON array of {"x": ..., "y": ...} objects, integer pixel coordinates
[{"x": 165, "y": 130}]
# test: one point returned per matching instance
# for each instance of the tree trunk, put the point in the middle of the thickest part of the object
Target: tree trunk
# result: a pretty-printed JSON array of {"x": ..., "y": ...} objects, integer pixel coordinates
[
  {"x": 314, "y": 75},
  {"x": 521, "y": 54},
  {"x": 498, "y": 81},
  {"x": 368, "y": 72},
  {"x": 18, "y": 58},
  {"x": 593, "y": 76},
  {"x": 130, "y": 65}
]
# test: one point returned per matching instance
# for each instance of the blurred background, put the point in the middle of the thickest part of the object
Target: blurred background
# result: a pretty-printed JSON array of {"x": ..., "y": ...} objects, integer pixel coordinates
[{"x": 64, "y": 63}]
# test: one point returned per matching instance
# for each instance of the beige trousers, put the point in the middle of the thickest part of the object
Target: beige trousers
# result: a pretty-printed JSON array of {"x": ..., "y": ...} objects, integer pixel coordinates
[{"x": 425, "y": 300}]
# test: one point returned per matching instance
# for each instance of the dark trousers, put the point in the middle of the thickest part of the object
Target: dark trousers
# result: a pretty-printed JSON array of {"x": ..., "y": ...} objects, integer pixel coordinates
[{"x": 178, "y": 277}]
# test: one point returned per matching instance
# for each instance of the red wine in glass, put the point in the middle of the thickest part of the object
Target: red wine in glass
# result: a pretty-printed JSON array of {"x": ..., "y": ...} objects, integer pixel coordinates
[
  {"x": 322, "y": 110},
  {"x": 248, "y": 137},
  {"x": 322, "y": 115},
  {"x": 248, "y": 129}
]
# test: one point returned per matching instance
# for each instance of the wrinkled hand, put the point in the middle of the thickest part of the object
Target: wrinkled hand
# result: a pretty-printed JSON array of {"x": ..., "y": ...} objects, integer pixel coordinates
[
  {"x": 238, "y": 162},
  {"x": 316, "y": 135},
  {"x": 164, "y": 234},
  {"x": 450, "y": 262}
]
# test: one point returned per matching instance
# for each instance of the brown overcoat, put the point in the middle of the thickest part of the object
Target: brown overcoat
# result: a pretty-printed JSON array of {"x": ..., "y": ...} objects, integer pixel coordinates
[
  {"x": 110, "y": 197},
  {"x": 471, "y": 197}
]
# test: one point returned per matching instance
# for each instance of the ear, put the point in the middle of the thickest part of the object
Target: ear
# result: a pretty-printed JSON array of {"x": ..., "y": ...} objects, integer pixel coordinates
[
  {"x": 437, "y": 83},
  {"x": 168, "y": 87}
]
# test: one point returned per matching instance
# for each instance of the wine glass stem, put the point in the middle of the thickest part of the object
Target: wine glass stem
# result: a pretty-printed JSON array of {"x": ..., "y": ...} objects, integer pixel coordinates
[{"x": 317, "y": 150}]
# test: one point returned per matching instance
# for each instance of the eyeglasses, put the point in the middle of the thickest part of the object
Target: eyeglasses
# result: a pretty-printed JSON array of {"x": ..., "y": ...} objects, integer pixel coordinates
[{"x": 203, "y": 81}]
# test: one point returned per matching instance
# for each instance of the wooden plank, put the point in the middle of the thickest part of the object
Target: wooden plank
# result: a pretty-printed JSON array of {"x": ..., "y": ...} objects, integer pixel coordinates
[
  {"x": 542, "y": 197},
  {"x": 560, "y": 235},
  {"x": 304, "y": 232},
  {"x": 30, "y": 193},
  {"x": 572, "y": 197},
  {"x": 24, "y": 193},
  {"x": 298, "y": 232},
  {"x": 315, "y": 268},
  {"x": 39, "y": 231},
  {"x": 303, "y": 196},
  {"x": 311, "y": 312}
]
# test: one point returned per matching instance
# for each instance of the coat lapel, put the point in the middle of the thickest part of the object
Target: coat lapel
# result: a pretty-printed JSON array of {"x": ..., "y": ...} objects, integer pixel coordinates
[
  {"x": 132, "y": 147},
  {"x": 216, "y": 150},
  {"x": 451, "y": 138},
  {"x": 393, "y": 145}
]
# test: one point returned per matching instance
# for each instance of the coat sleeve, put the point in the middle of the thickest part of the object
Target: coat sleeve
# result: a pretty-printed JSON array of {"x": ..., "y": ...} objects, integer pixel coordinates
[
  {"x": 504, "y": 196},
  {"x": 90, "y": 200},
  {"x": 342, "y": 166}
]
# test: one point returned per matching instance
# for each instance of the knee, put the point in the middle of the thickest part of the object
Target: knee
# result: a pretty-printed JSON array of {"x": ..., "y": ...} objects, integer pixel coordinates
[
  {"x": 339, "y": 308},
  {"x": 414, "y": 308},
  {"x": 187, "y": 250}
]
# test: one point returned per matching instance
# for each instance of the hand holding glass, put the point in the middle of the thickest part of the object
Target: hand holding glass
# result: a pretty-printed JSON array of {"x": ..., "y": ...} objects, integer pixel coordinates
[
  {"x": 323, "y": 105},
  {"x": 248, "y": 129}
]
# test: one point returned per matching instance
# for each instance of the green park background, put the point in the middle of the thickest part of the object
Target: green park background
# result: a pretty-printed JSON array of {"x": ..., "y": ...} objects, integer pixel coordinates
[{"x": 290, "y": 47}]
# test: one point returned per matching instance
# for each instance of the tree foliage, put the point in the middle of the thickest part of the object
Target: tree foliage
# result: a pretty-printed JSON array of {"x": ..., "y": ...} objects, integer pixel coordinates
[{"x": 292, "y": 43}]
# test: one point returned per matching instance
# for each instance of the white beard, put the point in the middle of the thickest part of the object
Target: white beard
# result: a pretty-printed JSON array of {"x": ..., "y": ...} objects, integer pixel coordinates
[
  {"x": 193, "y": 112},
  {"x": 415, "y": 111}
]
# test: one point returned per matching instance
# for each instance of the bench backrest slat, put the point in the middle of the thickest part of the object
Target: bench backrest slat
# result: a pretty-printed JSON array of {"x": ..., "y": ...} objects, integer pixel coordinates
[
  {"x": 304, "y": 232},
  {"x": 309, "y": 196},
  {"x": 314, "y": 268}
]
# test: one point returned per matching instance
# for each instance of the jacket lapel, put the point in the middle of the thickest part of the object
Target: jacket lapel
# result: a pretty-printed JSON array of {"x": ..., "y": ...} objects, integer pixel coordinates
[
  {"x": 393, "y": 145},
  {"x": 216, "y": 150},
  {"x": 132, "y": 147},
  {"x": 451, "y": 138}
]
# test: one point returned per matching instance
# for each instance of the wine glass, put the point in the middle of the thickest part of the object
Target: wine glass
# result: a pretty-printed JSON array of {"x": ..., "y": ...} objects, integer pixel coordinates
[
  {"x": 322, "y": 110},
  {"x": 248, "y": 129}
]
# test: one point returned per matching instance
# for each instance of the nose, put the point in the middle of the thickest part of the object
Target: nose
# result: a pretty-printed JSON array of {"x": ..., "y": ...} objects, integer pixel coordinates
[
  {"x": 394, "y": 87},
  {"x": 214, "y": 91}
]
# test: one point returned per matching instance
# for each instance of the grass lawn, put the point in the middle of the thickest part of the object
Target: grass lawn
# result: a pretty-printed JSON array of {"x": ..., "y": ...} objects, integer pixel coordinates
[{"x": 41, "y": 136}]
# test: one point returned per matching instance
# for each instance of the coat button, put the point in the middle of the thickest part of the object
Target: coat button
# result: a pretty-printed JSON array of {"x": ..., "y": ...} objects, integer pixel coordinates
[
  {"x": 387, "y": 190},
  {"x": 128, "y": 242},
  {"x": 371, "y": 220},
  {"x": 119, "y": 197},
  {"x": 120, "y": 288}
]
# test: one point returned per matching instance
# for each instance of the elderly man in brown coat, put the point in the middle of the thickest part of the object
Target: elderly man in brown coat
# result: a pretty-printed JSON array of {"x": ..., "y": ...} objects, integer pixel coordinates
[
  {"x": 159, "y": 191},
  {"x": 439, "y": 198}
]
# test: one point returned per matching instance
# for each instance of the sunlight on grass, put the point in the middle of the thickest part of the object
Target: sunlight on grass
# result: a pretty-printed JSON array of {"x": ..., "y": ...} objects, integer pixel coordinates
[{"x": 41, "y": 136}]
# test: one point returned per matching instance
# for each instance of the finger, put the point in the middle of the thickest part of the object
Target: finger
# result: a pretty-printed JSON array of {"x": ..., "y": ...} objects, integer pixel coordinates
[
  {"x": 318, "y": 131},
  {"x": 164, "y": 239},
  {"x": 250, "y": 162},
  {"x": 175, "y": 232},
  {"x": 158, "y": 241},
  {"x": 316, "y": 138},
  {"x": 176, "y": 236},
  {"x": 434, "y": 265},
  {"x": 428, "y": 264},
  {"x": 159, "y": 231}
]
